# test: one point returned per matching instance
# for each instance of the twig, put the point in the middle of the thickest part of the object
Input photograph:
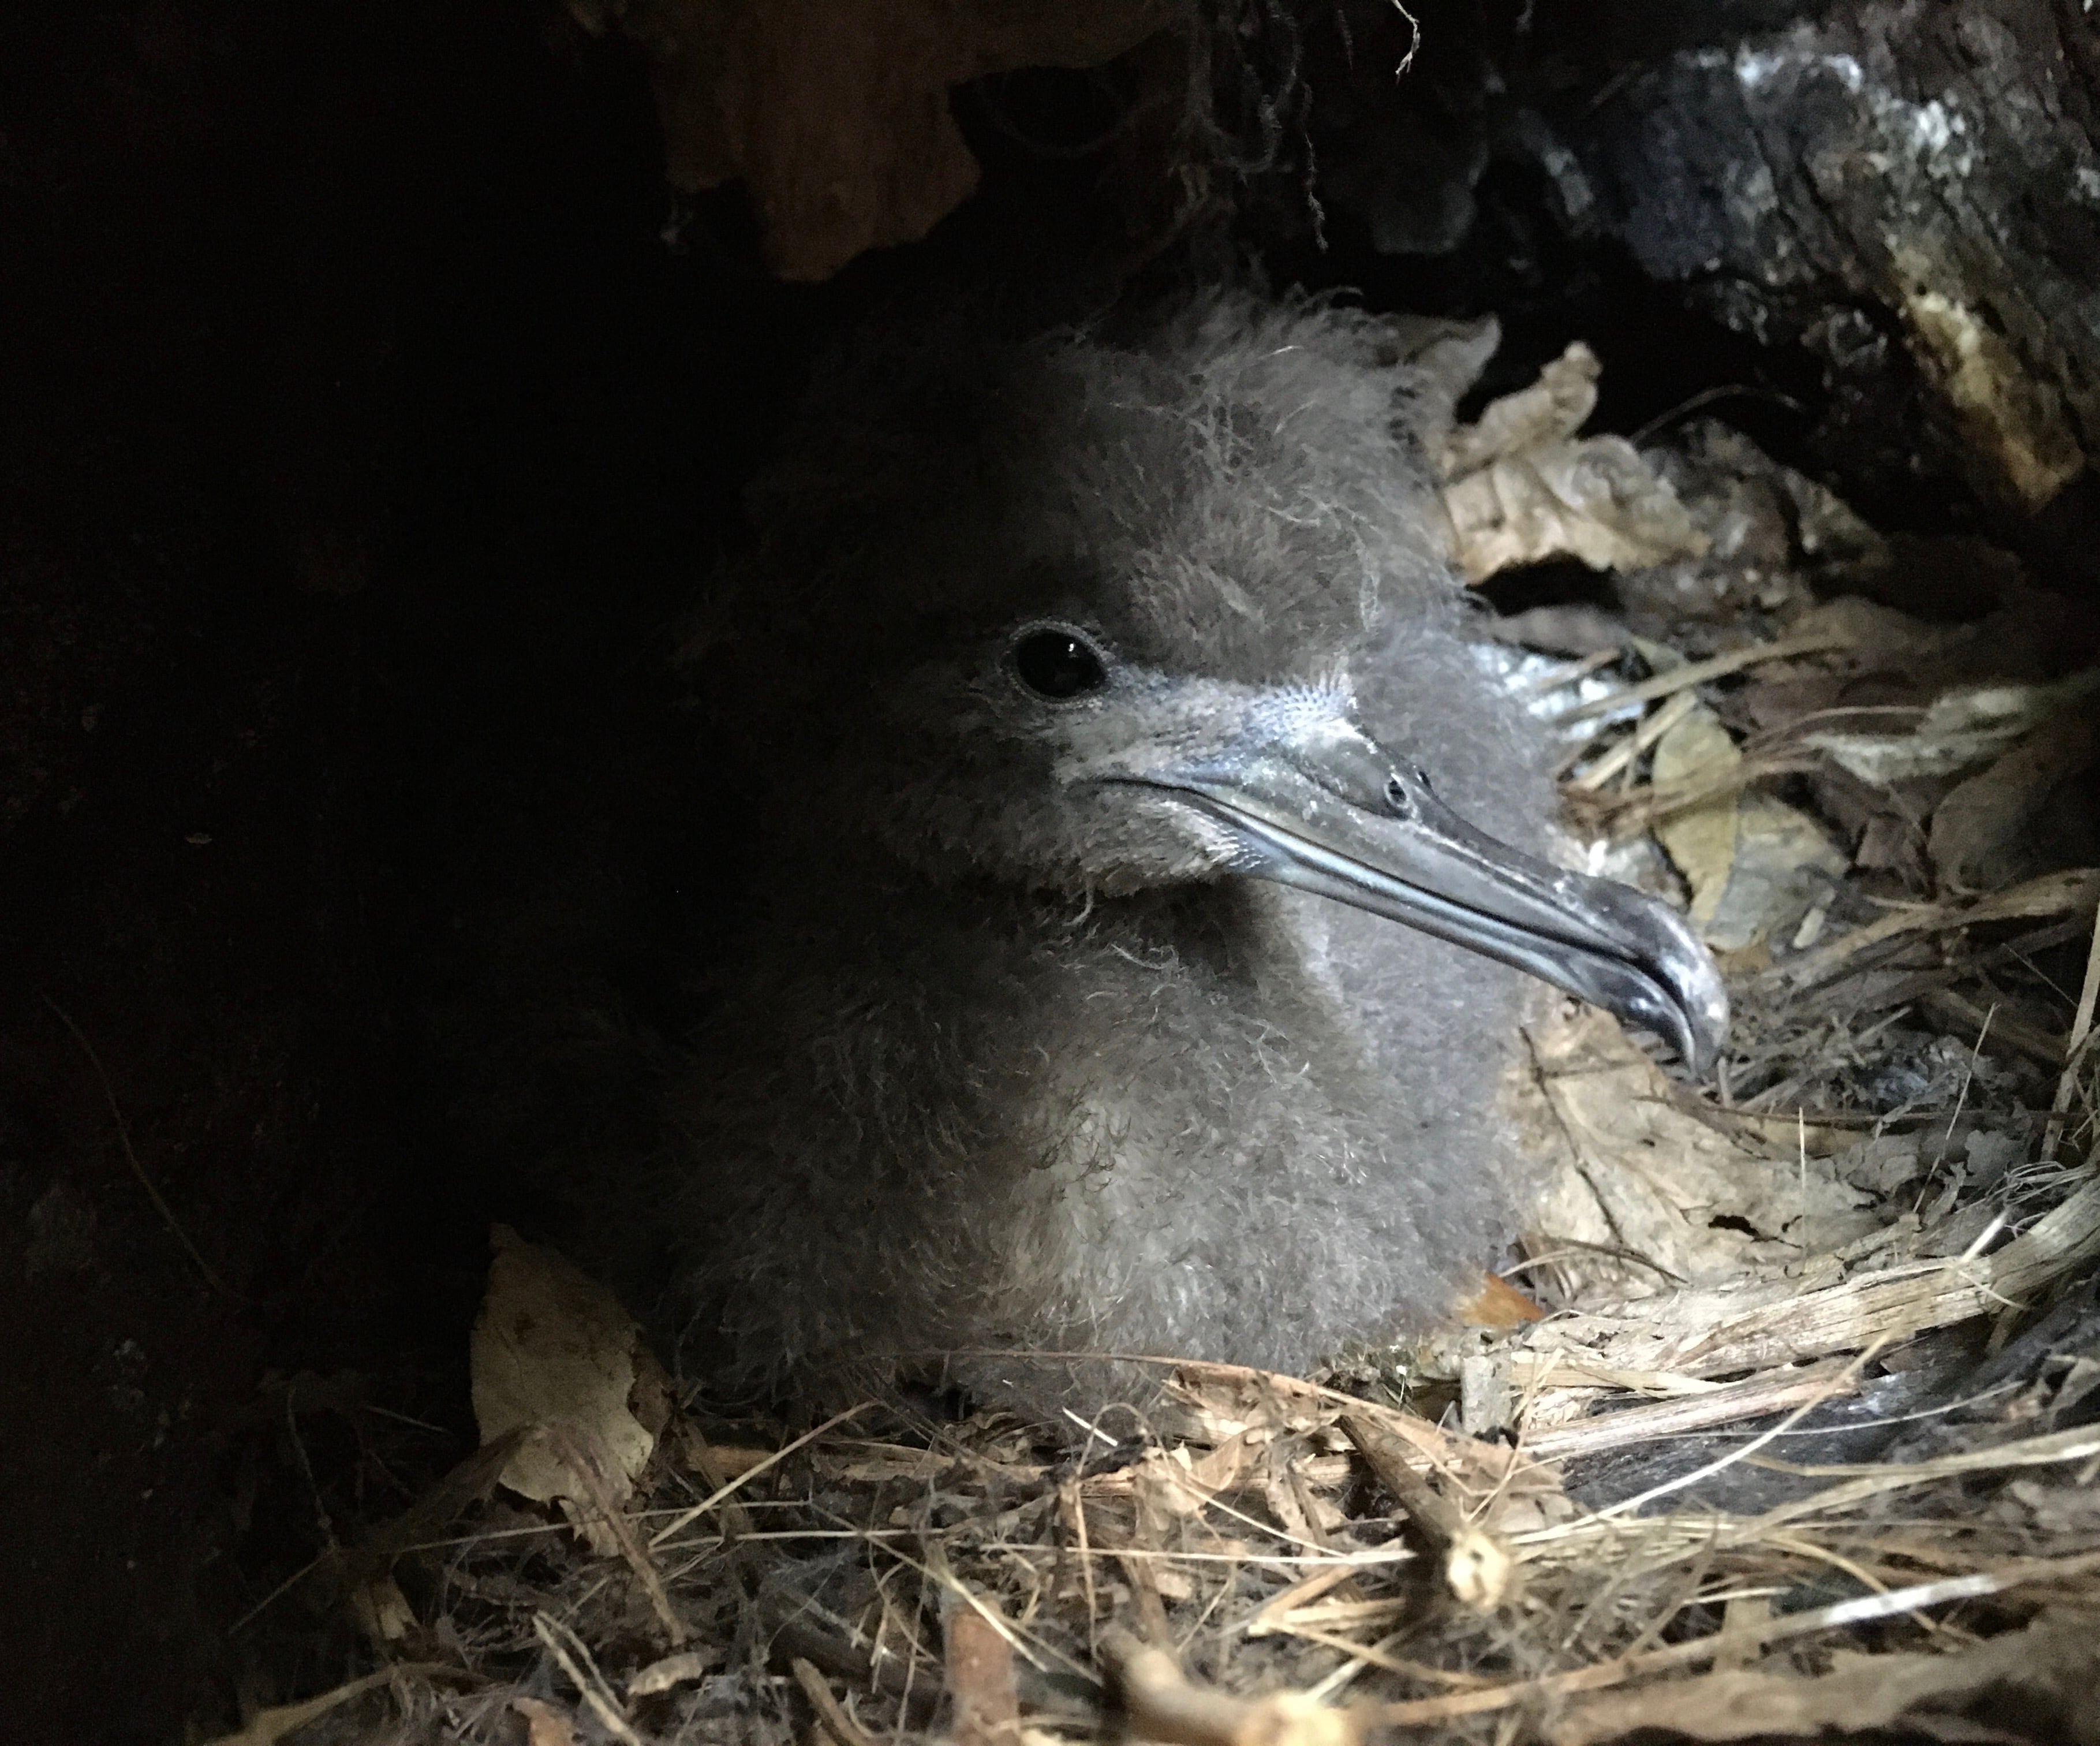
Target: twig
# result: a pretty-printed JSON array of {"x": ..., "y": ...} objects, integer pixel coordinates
[
  {"x": 2081, "y": 1032},
  {"x": 567, "y": 1649},
  {"x": 685, "y": 1518},
  {"x": 1723, "y": 1404},
  {"x": 1698, "y": 672},
  {"x": 1622, "y": 756},
  {"x": 2030, "y": 1040},
  {"x": 831, "y": 1715},
  {"x": 2051, "y": 894},
  {"x": 1158, "y": 1703},
  {"x": 1441, "y": 1522}
]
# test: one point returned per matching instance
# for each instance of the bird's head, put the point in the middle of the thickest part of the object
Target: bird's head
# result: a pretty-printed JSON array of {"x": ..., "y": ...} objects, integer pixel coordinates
[{"x": 1091, "y": 626}]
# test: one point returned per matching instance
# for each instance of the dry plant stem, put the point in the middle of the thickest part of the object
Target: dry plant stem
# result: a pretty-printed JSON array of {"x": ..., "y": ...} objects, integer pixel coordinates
[
  {"x": 1622, "y": 815},
  {"x": 1872, "y": 1694},
  {"x": 2081, "y": 1030},
  {"x": 1570, "y": 1545},
  {"x": 1922, "y": 982},
  {"x": 1623, "y": 755},
  {"x": 1302, "y": 1594},
  {"x": 210, "y": 1273},
  {"x": 1159, "y": 1705},
  {"x": 1380, "y": 1655},
  {"x": 831, "y": 1715},
  {"x": 1871, "y": 1480},
  {"x": 686, "y": 1519},
  {"x": 1698, "y": 672},
  {"x": 1073, "y": 1507},
  {"x": 1843, "y": 1383},
  {"x": 1725, "y": 1405},
  {"x": 1900, "y": 1301},
  {"x": 1756, "y": 1636},
  {"x": 266, "y": 1727},
  {"x": 584, "y": 1457},
  {"x": 1440, "y": 1521},
  {"x": 575, "y": 1660},
  {"x": 2052, "y": 894}
]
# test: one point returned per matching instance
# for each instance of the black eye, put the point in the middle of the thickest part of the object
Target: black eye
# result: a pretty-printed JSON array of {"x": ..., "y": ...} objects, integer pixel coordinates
[{"x": 1058, "y": 663}]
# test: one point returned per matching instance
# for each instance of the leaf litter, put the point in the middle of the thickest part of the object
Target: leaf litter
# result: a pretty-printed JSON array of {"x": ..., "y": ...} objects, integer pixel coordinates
[{"x": 1781, "y": 1422}]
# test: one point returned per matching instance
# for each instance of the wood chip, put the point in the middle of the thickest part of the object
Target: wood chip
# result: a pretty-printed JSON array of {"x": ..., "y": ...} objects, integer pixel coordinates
[{"x": 981, "y": 1680}]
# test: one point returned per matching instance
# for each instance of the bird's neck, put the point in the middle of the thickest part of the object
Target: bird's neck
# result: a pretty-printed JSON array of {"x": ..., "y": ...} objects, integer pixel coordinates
[{"x": 868, "y": 906}]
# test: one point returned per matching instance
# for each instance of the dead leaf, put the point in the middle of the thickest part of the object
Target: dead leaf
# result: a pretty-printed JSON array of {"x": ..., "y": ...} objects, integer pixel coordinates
[
  {"x": 1700, "y": 840},
  {"x": 2050, "y": 1665},
  {"x": 545, "y": 1725},
  {"x": 1483, "y": 1478},
  {"x": 834, "y": 114},
  {"x": 1755, "y": 864},
  {"x": 1499, "y": 1305},
  {"x": 1657, "y": 1196},
  {"x": 1521, "y": 487},
  {"x": 674, "y": 1670},
  {"x": 553, "y": 1346},
  {"x": 1596, "y": 500},
  {"x": 1960, "y": 729},
  {"x": 1975, "y": 829},
  {"x": 1551, "y": 410}
]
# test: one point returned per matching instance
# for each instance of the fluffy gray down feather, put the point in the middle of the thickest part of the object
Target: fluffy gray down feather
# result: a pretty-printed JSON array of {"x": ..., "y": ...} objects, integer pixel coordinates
[{"x": 1007, "y": 1070}]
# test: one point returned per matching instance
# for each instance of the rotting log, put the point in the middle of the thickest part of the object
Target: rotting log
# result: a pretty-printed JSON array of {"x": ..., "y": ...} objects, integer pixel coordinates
[
  {"x": 1920, "y": 172},
  {"x": 1902, "y": 196}
]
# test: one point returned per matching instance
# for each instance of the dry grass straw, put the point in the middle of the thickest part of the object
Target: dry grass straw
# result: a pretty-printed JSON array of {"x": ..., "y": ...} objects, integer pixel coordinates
[
  {"x": 1304, "y": 1563},
  {"x": 1281, "y": 1560}
]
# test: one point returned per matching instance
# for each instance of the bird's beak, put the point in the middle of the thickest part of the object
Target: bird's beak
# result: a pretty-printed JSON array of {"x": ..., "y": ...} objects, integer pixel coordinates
[{"x": 1333, "y": 812}]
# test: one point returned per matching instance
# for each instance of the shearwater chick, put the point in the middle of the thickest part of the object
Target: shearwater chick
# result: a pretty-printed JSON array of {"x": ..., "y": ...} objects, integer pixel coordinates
[{"x": 1129, "y": 974}]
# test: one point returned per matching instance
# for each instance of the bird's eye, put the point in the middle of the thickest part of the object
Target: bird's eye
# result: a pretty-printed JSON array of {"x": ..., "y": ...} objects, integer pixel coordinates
[{"x": 1058, "y": 663}]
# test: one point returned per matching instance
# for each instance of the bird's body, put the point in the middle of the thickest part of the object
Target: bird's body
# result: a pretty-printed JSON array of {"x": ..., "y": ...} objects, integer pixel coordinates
[
  {"x": 995, "y": 1119},
  {"x": 1068, "y": 675}
]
